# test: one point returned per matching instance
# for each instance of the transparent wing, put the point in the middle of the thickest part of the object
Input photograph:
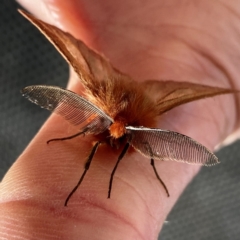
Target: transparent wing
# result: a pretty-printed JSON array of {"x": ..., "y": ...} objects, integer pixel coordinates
[
  {"x": 167, "y": 145},
  {"x": 74, "y": 108}
]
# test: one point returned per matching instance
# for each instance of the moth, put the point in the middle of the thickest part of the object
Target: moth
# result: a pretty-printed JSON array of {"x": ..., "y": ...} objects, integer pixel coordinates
[{"x": 118, "y": 110}]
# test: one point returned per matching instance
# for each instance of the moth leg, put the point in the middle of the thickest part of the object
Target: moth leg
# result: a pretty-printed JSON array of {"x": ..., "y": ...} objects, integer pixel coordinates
[
  {"x": 66, "y": 138},
  {"x": 154, "y": 168},
  {"x": 86, "y": 167},
  {"x": 160, "y": 180},
  {"x": 114, "y": 169}
]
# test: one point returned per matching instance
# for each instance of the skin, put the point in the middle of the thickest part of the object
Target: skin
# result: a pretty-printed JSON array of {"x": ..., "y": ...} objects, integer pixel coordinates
[{"x": 172, "y": 39}]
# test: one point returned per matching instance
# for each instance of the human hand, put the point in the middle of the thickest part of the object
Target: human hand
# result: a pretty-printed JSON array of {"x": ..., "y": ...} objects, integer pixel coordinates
[{"x": 148, "y": 44}]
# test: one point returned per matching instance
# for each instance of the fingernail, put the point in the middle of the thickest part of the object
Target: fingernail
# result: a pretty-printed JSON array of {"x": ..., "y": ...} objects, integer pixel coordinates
[
  {"x": 45, "y": 10},
  {"x": 229, "y": 140}
]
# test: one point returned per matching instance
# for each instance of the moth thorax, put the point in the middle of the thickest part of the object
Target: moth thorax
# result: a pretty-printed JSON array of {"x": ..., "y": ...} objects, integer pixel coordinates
[{"x": 117, "y": 129}]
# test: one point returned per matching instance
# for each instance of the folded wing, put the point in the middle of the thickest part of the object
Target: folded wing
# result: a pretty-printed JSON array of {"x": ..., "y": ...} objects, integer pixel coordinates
[
  {"x": 170, "y": 94},
  {"x": 90, "y": 66}
]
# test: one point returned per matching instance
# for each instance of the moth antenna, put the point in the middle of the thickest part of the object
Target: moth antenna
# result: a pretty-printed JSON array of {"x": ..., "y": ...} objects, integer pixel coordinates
[
  {"x": 86, "y": 167},
  {"x": 124, "y": 151},
  {"x": 66, "y": 138},
  {"x": 154, "y": 168}
]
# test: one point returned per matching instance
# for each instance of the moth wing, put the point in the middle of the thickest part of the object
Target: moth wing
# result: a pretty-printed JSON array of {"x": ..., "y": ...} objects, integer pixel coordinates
[
  {"x": 170, "y": 94},
  {"x": 74, "y": 108},
  {"x": 168, "y": 145},
  {"x": 90, "y": 66}
]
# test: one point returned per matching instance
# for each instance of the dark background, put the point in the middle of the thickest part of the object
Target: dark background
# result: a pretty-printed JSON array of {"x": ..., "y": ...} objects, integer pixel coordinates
[{"x": 210, "y": 206}]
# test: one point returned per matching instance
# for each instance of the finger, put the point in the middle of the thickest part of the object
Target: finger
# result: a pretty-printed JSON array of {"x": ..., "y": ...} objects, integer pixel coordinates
[{"x": 132, "y": 185}]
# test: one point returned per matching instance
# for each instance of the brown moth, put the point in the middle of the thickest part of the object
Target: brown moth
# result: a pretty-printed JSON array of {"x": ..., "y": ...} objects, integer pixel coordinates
[{"x": 118, "y": 110}]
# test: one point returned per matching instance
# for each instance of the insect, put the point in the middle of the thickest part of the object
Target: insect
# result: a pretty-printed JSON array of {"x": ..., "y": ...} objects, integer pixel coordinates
[{"x": 118, "y": 110}]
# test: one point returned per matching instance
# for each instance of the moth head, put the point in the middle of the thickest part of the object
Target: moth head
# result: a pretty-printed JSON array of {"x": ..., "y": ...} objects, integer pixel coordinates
[{"x": 117, "y": 129}]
